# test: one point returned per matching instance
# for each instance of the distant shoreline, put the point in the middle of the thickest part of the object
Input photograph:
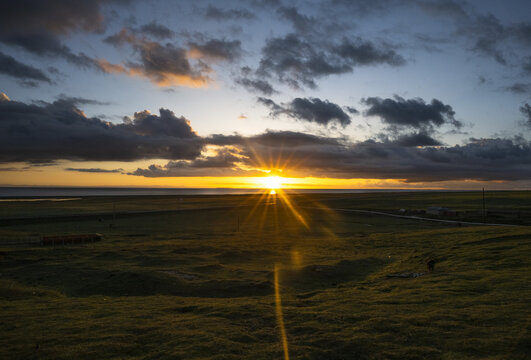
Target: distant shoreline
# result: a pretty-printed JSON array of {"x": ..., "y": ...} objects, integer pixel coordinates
[{"x": 10, "y": 192}]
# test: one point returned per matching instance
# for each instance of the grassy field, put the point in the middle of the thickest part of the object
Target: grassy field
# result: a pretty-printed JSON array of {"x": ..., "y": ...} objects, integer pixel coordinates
[{"x": 227, "y": 282}]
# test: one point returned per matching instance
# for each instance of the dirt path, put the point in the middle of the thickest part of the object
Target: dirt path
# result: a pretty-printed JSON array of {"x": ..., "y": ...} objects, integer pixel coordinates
[{"x": 415, "y": 217}]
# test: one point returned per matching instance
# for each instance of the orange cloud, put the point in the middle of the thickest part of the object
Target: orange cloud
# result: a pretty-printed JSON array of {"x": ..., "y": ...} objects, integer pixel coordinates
[{"x": 162, "y": 79}]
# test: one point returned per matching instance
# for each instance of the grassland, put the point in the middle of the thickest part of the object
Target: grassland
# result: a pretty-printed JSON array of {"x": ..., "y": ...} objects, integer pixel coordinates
[{"x": 199, "y": 283}]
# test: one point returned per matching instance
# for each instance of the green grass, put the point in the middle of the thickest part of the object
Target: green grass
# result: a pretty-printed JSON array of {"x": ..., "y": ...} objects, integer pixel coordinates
[{"x": 187, "y": 285}]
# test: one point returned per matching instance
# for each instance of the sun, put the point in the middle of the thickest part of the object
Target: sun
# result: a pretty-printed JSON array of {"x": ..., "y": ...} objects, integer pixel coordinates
[{"x": 272, "y": 183}]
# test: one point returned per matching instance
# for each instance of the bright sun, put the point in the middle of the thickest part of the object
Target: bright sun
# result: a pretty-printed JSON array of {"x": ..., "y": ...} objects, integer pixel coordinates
[{"x": 272, "y": 183}]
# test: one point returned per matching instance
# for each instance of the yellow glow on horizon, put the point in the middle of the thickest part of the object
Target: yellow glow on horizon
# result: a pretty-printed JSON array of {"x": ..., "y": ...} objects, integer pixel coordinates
[
  {"x": 271, "y": 182},
  {"x": 55, "y": 175},
  {"x": 272, "y": 192}
]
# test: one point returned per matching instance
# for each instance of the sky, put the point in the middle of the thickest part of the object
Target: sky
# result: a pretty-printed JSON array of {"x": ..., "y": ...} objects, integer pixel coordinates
[{"x": 325, "y": 94}]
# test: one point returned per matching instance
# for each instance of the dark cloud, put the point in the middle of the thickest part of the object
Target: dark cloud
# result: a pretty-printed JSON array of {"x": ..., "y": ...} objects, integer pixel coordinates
[
  {"x": 224, "y": 163},
  {"x": 48, "y": 45},
  {"x": 130, "y": 34},
  {"x": 253, "y": 83},
  {"x": 522, "y": 32},
  {"x": 487, "y": 35},
  {"x": 123, "y": 37},
  {"x": 10, "y": 169},
  {"x": 75, "y": 101},
  {"x": 95, "y": 170},
  {"x": 299, "y": 61},
  {"x": 36, "y": 26},
  {"x": 156, "y": 30},
  {"x": 301, "y": 154},
  {"x": 216, "y": 13},
  {"x": 163, "y": 64},
  {"x": 416, "y": 139},
  {"x": 256, "y": 85},
  {"x": 362, "y": 52},
  {"x": 352, "y": 110},
  {"x": 490, "y": 32},
  {"x": 169, "y": 64},
  {"x": 12, "y": 67},
  {"x": 310, "y": 110},
  {"x": 480, "y": 159},
  {"x": 52, "y": 131},
  {"x": 411, "y": 113},
  {"x": 216, "y": 49},
  {"x": 272, "y": 138},
  {"x": 288, "y": 139},
  {"x": 518, "y": 88},
  {"x": 449, "y": 8},
  {"x": 273, "y": 106},
  {"x": 526, "y": 111},
  {"x": 526, "y": 66},
  {"x": 56, "y": 16},
  {"x": 362, "y": 7},
  {"x": 301, "y": 23}
]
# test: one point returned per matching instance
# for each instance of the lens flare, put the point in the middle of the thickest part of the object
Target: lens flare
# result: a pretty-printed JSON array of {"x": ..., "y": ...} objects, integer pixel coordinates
[
  {"x": 280, "y": 316},
  {"x": 271, "y": 182}
]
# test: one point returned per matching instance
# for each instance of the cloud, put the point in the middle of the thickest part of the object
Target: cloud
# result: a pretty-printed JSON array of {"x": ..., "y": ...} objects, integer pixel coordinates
[
  {"x": 169, "y": 64},
  {"x": 352, "y": 110},
  {"x": 95, "y": 170},
  {"x": 362, "y": 7},
  {"x": 48, "y": 45},
  {"x": 43, "y": 132},
  {"x": 526, "y": 111},
  {"x": 51, "y": 131},
  {"x": 485, "y": 32},
  {"x": 253, "y": 83},
  {"x": 522, "y": 32},
  {"x": 163, "y": 64},
  {"x": 215, "y": 13},
  {"x": 416, "y": 139},
  {"x": 225, "y": 163},
  {"x": 413, "y": 113},
  {"x": 299, "y": 61},
  {"x": 57, "y": 17},
  {"x": 526, "y": 66},
  {"x": 133, "y": 35},
  {"x": 518, "y": 88},
  {"x": 301, "y": 23},
  {"x": 310, "y": 110},
  {"x": 79, "y": 100},
  {"x": 300, "y": 155},
  {"x": 12, "y": 67},
  {"x": 239, "y": 155},
  {"x": 256, "y": 85},
  {"x": 36, "y": 26},
  {"x": 216, "y": 49},
  {"x": 10, "y": 169},
  {"x": 156, "y": 30},
  {"x": 361, "y": 52},
  {"x": 443, "y": 8},
  {"x": 289, "y": 139}
]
